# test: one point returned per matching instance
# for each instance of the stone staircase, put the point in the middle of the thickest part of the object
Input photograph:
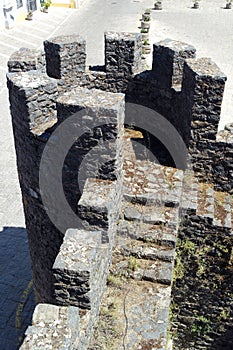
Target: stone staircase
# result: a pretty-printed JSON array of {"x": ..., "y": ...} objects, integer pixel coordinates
[
  {"x": 158, "y": 204},
  {"x": 143, "y": 255},
  {"x": 156, "y": 201}
]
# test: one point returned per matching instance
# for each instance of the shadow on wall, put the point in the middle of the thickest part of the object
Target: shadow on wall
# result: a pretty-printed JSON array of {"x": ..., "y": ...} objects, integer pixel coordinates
[
  {"x": 16, "y": 291},
  {"x": 225, "y": 341}
]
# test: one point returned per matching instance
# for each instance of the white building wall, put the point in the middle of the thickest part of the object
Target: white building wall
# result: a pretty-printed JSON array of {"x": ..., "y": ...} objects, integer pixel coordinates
[{"x": 11, "y": 12}]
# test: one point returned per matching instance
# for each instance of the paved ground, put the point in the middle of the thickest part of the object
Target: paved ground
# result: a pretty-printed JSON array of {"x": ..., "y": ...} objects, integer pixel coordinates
[
  {"x": 17, "y": 300},
  {"x": 209, "y": 29}
]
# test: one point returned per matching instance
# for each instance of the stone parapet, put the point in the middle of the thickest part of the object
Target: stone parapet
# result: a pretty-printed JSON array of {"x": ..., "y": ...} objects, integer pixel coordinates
[
  {"x": 98, "y": 117},
  {"x": 103, "y": 209},
  {"x": 53, "y": 327},
  {"x": 168, "y": 62},
  {"x": 123, "y": 53},
  {"x": 70, "y": 260},
  {"x": 80, "y": 268},
  {"x": 26, "y": 59},
  {"x": 203, "y": 87},
  {"x": 65, "y": 56}
]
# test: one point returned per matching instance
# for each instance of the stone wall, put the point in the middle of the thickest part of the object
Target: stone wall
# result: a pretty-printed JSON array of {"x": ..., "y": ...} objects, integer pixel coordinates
[
  {"x": 186, "y": 91},
  {"x": 32, "y": 101},
  {"x": 27, "y": 59},
  {"x": 202, "y": 304},
  {"x": 35, "y": 109}
]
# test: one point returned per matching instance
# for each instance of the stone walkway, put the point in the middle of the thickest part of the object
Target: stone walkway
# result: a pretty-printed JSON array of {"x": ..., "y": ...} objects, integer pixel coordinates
[{"x": 135, "y": 308}]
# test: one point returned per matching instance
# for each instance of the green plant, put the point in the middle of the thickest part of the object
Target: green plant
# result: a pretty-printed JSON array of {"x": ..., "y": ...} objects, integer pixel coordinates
[
  {"x": 47, "y": 3},
  {"x": 147, "y": 19},
  {"x": 115, "y": 281},
  {"x": 224, "y": 314},
  {"x": 144, "y": 30},
  {"x": 146, "y": 42},
  {"x": 132, "y": 263},
  {"x": 178, "y": 271},
  {"x": 201, "y": 326},
  {"x": 147, "y": 11}
]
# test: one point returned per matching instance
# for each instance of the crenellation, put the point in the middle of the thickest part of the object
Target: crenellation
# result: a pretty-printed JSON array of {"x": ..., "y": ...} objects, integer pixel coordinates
[
  {"x": 98, "y": 118},
  {"x": 71, "y": 258},
  {"x": 37, "y": 93},
  {"x": 168, "y": 61},
  {"x": 26, "y": 59},
  {"x": 123, "y": 53},
  {"x": 77, "y": 268},
  {"x": 102, "y": 210},
  {"x": 65, "y": 56}
]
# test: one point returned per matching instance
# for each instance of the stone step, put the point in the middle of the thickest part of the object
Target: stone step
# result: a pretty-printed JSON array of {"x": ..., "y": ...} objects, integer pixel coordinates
[
  {"x": 148, "y": 183},
  {"x": 99, "y": 206},
  {"x": 222, "y": 210},
  {"x": 141, "y": 269},
  {"x": 153, "y": 215},
  {"x": 139, "y": 311},
  {"x": 189, "y": 192},
  {"x": 148, "y": 251},
  {"x": 205, "y": 200},
  {"x": 160, "y": 235},
  {"x": 155, "y": 224}
]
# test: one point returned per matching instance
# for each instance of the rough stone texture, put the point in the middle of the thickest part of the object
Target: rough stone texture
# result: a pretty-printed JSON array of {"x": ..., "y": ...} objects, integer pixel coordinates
[
  {"x": 34, "y": 94},
  {"x": 152, "y": 193},
  {"x": 102, "y": 210},
  {"x": 53, "y": 327},
  {"x": 98, "y": 118},
  {"x": 25, "y": 60},
  {"x": 203, "y": 87},
  {"x": 65, "y": 56},
  {"x": 195, "y": 111},
  {"x": 202, "y": 290},
  {"x": 32, "y": 103},
  {"x": 123, "y": 53},
  {"x": 168, "y": 61},
  {"x": 136, "y": 303},
  {"x": 77, "y": 268}
]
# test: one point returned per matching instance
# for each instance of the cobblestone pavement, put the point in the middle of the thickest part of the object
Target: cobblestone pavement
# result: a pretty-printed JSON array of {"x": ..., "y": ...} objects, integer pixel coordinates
[{"x": 17, "y": 300}]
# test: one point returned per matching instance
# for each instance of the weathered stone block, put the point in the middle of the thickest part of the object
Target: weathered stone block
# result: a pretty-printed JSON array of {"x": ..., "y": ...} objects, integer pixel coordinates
[
  {"x": 25, "y": 60},
  {"x": 123, "y": 53},
  {"x": 77, "y": 268},
  {"x": 65, "y": 56},
  {"x": 168, "y": 61}
]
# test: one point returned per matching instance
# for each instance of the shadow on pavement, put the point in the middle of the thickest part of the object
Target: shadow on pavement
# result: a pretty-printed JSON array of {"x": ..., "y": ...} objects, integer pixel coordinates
[{"x": 16, "y": 291}]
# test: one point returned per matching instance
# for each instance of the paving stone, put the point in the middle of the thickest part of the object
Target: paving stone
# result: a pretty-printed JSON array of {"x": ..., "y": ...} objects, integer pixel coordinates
[{"x": 131, "y": 213}]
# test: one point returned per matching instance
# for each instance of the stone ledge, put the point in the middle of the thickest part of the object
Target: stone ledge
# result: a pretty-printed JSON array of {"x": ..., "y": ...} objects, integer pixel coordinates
[{"x": 53, "y": 327}]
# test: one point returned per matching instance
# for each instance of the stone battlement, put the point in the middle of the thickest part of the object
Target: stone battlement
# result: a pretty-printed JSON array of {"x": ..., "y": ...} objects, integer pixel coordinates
[{"x": 93, "y": 198}]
